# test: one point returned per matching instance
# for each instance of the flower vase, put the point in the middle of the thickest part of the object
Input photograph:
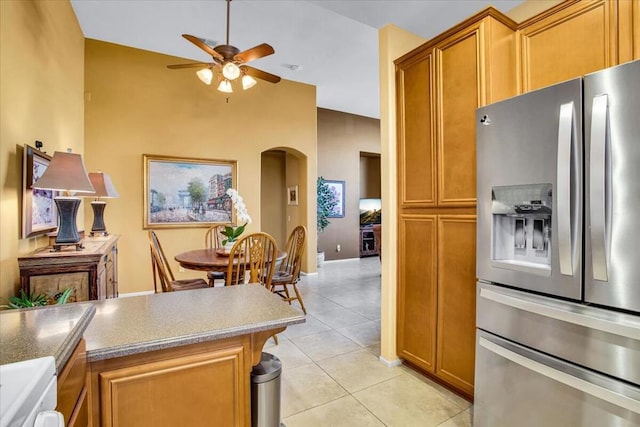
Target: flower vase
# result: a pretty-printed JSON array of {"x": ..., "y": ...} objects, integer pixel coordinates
[{"x": 227, "y": 247}]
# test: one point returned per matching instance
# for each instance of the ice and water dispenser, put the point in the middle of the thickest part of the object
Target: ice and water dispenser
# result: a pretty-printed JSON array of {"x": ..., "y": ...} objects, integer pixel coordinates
[{"x": 522, "y": 228}]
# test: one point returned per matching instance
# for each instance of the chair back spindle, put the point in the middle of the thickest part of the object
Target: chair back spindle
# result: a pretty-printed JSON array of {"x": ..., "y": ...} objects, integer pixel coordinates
[{"x": 254, "y": 253}]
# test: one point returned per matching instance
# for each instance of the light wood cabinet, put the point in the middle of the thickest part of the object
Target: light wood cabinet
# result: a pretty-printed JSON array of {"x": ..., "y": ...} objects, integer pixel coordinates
[
  {"x": 577, "y": 38},
  {"x": 72, "y": 389},
  {"x": 416, "y": 130},
  {"x": 439, "y": 86},
  {"x": 417, "y": 293},
  {"x": 196, "y": 385},
  {"x": 456, "y": 300}
]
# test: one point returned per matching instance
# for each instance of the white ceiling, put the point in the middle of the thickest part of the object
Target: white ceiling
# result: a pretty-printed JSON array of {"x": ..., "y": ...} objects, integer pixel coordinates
[{"x": 335, "y": 43}]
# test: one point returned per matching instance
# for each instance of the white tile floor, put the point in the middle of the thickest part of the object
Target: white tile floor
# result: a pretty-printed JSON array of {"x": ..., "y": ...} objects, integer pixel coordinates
[{"x": 331, "y": 372}]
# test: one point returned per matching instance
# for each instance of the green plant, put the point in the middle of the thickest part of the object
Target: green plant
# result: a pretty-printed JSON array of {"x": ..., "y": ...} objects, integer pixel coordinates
[
  {"x": 33, "y": 300},
  {"x": 24, "y": 300},
  {"x": 326, "y": 204},
  {"x": 232, "y": 233}
]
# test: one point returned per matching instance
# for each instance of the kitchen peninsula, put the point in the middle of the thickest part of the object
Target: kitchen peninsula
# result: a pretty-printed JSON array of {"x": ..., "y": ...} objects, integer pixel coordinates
[{"x": 181, "y": 358}]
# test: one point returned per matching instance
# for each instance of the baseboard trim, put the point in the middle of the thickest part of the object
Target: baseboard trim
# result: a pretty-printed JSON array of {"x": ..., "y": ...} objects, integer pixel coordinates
[
  {"x": 329, "y": 261},
  {"x": 390, "y": 363},
  {"x": 135, "y": 294}
]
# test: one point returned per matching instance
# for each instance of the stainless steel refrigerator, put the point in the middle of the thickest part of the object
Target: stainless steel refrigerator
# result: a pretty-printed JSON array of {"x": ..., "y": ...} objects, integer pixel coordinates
[{"x": 558, "y": 255}]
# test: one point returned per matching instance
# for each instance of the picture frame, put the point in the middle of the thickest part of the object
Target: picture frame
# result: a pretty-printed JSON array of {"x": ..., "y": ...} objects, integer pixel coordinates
[
  {"x": 39, "y": 212},
  {"x": 292, "y": 195},
  {"x": 183, "y": 192},
  {"x": 337, "y": 188}
]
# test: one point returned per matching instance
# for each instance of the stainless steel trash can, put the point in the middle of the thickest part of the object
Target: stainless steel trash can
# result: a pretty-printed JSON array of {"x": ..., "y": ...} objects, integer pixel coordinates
[{"x": 265, "y": 392}]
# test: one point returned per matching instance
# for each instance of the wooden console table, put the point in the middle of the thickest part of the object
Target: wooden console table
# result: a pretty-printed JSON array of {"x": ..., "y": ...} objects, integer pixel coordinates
[{"x": 93, "y": 271}]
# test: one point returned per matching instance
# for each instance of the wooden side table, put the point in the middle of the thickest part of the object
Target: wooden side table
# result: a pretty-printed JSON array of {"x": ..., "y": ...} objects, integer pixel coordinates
[{"x": 93, "y": 271}]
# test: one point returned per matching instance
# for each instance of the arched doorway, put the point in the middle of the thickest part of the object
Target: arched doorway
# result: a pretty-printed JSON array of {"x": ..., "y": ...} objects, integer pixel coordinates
[{"x": 284, "y": 199}]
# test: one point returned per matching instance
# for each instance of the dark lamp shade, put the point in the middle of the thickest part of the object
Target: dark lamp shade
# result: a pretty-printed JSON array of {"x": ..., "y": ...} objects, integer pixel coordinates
[
  {"x": 66, "y": 172},
  {"x": 102, "y": 183}
]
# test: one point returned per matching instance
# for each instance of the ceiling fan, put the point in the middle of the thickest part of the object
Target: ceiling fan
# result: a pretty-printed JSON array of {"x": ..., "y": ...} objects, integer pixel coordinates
[{"x": 229, "y": 62}]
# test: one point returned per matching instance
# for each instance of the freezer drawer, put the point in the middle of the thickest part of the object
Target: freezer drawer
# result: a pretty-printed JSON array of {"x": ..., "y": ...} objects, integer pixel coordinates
[
  {"x": 516, "y": 386},
  {"x": 601, "y": 340}
]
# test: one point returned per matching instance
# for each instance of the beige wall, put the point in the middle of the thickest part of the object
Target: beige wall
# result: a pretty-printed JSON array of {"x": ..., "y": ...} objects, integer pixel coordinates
[
  {"x": 135, "y": 105},
  {"x": 41, "y": 85},
  {"x": 370, "y": 178},
  {"x": 272, "y": 195},
  {"x": 393, "y": 43},
  {"x": 341, "y": 138}
]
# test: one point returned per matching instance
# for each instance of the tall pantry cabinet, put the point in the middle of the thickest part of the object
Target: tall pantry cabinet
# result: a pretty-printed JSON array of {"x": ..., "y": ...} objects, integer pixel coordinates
[{"x": 439, "y": 86}]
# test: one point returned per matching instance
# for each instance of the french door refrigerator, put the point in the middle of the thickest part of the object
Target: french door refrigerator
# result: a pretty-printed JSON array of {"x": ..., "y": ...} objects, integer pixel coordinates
[{"x": 558, "y": 255}]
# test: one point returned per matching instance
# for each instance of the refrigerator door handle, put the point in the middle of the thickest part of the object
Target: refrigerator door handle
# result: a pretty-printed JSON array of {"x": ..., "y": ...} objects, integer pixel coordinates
[
  {"x": 597, "y": 183},
  {"x": 584, "y": 386},
  {"x": 563, "y": 188},
  {"x": 612, "y": 326}
]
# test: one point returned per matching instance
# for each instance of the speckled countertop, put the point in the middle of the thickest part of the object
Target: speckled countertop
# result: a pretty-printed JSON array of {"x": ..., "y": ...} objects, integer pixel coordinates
[
  {"x": 46, "y": 331},
  {"x": 125, "y": 326}
]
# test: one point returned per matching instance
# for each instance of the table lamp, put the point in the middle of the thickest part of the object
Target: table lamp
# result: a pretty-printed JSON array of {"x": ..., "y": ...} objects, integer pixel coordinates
[
  {"x": 66, "y": 173},
  {"x": 104, "y": 188}
]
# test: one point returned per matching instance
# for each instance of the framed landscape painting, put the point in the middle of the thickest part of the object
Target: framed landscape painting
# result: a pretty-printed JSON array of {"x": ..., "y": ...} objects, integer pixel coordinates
[
  {"x": 337, "y": 189},
  {"x": 187, "y": 192},
  {"x": 39, "y": 213}
]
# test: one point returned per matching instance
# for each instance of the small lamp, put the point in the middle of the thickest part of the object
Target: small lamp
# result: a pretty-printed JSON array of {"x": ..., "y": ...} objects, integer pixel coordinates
[
  {"x": 104, "y": 188},
  {"x": 66, "y": 173}
]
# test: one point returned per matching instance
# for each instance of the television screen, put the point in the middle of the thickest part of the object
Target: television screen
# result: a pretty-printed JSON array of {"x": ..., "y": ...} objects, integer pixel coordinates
[{"x": 370, "y": 211}]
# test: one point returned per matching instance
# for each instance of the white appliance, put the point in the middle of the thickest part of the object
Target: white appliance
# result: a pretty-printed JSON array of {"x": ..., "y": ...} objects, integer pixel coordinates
[
  {"x": 558, "y": 255},
  {"x": 28, "y": 394}
]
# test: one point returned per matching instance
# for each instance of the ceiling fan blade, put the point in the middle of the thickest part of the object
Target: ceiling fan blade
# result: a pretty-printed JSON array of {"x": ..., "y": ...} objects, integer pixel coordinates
[
  {"x": 263, "y": 75},
  {"x": 255, "y": 52},
  {"x": 202, "y": 45},
  {"x": 191, "y": 65}
]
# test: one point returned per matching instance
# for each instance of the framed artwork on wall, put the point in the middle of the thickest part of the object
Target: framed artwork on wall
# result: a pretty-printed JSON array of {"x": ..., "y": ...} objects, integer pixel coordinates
[
  {"x": 292, "y": 195},
  {"x": 337, "y": 188},
  {"x": 39, "y": 214},
  {"x": 184, "y": 192}
]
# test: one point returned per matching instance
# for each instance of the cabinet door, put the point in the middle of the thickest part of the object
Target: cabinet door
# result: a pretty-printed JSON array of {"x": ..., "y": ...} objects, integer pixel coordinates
[
  {"x": 174, "y": 392},
  {"x": 456, "y": 300},
  {"x": 72, "y": 388},
  {"x": 417, "y": 297},
  {"x": 458, "y": 93},
  {"x": 416, "y": 149},
  {"x": 567, "y": 42}
]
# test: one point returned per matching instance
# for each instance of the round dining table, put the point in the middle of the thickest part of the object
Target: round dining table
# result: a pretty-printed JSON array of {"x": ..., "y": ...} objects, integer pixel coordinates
[{"x": 210, "y": 260}]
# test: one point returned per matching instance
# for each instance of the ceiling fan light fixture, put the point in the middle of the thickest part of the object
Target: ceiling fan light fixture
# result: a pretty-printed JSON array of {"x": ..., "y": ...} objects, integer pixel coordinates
[
  {"x": 225, "y": 86},
  {"x": 205, "y": 75},
  {"x": 248, "y": 82},
  {"x": 231, "y": 71}
]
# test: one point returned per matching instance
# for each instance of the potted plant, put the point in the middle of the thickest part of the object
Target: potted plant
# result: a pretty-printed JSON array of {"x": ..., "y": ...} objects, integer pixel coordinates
[
  {"x": 231, "y": 232},
  {"x": 326, "y": 204},
  {"x": 40, "y": 300}
]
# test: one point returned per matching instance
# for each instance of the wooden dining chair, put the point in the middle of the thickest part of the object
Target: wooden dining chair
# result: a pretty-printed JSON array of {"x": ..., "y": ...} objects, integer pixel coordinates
[
  {"x": 288, "y": 273},
  {"x": 255, "y": 253},
  {"x": 213, "y": 240},
  {"x": 162, "y": 271}
]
